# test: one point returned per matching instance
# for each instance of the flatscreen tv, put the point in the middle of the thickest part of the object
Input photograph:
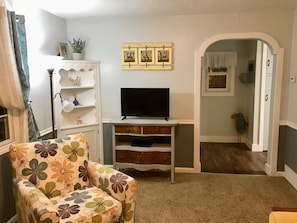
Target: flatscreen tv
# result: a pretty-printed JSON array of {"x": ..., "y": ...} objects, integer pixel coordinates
[{"x": 145, "y": 102}]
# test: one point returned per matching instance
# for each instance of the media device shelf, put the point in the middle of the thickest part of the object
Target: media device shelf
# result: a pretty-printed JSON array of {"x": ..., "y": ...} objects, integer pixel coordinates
[
  {"x": 157, "y": 154},
  {"x": 78, "y": 81}
]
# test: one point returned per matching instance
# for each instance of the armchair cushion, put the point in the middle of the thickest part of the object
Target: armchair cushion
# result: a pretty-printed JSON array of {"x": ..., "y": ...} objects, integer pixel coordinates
[{"x": 87, "y": 203}]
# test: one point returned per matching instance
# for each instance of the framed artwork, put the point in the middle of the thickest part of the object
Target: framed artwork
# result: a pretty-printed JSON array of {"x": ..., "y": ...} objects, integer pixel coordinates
[
  {"x": 63, "y": 50},
  {"x": 147, "y": 56},
  {"x": 129, "y": 56},
  {"x": 163, "y": 56}
]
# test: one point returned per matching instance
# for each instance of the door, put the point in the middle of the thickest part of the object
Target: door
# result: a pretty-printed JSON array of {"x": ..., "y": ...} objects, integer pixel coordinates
[{"x": 265, "y": 102}]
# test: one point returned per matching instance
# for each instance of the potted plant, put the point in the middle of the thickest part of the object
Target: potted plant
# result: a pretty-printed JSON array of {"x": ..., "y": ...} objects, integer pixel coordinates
[{"x": 77, "y": 46}]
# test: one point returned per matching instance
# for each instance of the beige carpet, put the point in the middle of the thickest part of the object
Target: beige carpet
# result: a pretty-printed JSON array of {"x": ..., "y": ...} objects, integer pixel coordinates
[{"x": 213, "y": 198}]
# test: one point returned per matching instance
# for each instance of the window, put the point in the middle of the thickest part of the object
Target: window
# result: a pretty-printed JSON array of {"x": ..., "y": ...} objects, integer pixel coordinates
[
  {"x": 218, "y": 82},
  {"x": 218, "y": 73},
  {"x": 6, "y": 129},
  {"x": 4, "y": 124}
]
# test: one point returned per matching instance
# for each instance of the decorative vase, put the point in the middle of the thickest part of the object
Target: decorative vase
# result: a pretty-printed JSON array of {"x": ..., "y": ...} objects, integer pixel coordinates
[{"x": 76, "y": 56}]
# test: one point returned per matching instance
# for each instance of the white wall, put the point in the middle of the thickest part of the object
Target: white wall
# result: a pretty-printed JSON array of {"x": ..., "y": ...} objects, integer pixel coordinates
[
  {"x": 105, "y": 35},
  {"x": 292, "y": 103}
]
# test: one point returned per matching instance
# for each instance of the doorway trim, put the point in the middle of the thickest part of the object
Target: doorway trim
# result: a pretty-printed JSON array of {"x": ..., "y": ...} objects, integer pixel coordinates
[{"x": 278, "y": 52}]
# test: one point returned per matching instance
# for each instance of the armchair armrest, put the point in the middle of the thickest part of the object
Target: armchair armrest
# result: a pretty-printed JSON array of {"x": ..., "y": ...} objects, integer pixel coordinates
[
  {"x": 33, "y": 203},
  {"x": 283, "y": 215},
  {"x": 117, "y": 184}
]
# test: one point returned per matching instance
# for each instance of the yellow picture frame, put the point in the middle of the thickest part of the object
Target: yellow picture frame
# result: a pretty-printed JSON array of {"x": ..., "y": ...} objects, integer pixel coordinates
[
  {"x": 147, "y": 56},
  {"x": 129, "y": 56},
  {"x": 163, "y": 56}
]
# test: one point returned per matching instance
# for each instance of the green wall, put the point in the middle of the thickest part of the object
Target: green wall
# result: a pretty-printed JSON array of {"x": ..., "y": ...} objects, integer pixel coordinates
[
  {"x": 7, "y": 204},
  {"x": 287, "y": 152}
]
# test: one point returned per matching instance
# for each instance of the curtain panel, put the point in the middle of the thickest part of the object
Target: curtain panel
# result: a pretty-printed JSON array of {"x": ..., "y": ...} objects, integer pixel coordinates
[
  {"x": 220, "y": 59},
  {"x": 11, "y": 96},
  {"x": 14, "y": 72},
  {"x": 18, "y": 36}
]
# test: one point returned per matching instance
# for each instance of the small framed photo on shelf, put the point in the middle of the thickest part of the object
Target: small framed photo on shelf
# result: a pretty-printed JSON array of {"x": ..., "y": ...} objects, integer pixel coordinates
[
  {"x": 163, "y": 56},
  {"x": 63, "y": 50},
  {"x": 129, "y": 56},
  {"x": 146, "y": 56}
]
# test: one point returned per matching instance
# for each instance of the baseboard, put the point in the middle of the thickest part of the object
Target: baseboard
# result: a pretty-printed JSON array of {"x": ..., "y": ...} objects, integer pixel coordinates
[
  {"x": 185, "y": 170},
  {"x": 267, "y": 169},
  {"x": 14, "y": 219},
  {"x": 256, "y": 148},
  {"x": 291, "y": 176},
  {"x": 223, "y": 139}
]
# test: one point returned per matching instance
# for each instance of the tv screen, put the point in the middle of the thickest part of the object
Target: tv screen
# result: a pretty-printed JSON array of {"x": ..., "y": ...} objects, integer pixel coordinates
[{"x": 145, "y": 102}]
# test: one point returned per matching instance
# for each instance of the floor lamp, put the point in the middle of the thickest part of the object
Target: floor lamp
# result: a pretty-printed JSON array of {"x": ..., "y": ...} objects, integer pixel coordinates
[{"x": 66, "y": 105}]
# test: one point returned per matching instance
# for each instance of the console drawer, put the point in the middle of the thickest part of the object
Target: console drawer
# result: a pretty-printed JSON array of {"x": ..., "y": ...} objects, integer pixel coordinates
[
  {"x": 156, "y": 130},
  {"x": 124, "y": 156},
  {"x": 128, "y": 129}
]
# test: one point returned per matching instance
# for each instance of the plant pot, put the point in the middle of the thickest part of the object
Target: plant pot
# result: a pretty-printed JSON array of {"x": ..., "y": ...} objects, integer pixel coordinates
[{"x": 76, "y": 56}]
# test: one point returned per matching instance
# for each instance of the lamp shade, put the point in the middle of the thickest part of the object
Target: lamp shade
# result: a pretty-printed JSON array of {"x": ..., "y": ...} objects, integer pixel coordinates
[{"x": 67, "y": 106}]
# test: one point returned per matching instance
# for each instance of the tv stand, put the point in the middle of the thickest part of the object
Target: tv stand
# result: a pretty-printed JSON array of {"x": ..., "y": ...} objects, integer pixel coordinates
[
  {"x": 144, "y": 144},
  {"x": 124, "y": 118}
]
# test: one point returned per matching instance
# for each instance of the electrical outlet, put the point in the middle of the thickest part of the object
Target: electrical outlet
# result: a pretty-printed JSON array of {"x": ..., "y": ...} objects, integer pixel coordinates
[{"x": 293, "y": 79}]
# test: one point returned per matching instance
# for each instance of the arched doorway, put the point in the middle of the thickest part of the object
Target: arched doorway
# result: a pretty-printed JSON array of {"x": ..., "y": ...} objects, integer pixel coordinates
[{"x": 278, "y": 52}]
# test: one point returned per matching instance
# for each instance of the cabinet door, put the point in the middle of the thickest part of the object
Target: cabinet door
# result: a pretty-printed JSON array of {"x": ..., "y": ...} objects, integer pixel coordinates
[{"x": 156, "y": 130}]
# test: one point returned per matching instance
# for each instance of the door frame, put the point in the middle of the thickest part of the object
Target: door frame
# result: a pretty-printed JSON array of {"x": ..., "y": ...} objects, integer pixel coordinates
[{"x": 278, "y": 52}]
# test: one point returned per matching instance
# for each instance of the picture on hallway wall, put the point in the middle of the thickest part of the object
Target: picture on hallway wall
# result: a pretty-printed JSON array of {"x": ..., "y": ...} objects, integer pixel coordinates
[{"x": 147, "y": 56}]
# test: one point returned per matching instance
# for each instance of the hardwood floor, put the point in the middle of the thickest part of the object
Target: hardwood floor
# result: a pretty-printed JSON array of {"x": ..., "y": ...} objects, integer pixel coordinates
[{"x": 233, "y": 158}]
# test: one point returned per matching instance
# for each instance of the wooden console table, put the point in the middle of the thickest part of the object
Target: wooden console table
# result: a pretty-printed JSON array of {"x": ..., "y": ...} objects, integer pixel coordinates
[{"x": 144, "y": 144}]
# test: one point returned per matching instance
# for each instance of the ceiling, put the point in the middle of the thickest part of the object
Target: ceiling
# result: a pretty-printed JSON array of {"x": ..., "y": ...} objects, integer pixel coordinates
[{"x": 69, "y": 9}]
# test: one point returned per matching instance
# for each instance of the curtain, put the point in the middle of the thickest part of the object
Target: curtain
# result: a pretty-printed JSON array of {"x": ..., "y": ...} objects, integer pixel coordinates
[
  {"x": 220, "y": 59},
  {"x": 18, "y": 37},
  {"x": 9, "y": 80}
]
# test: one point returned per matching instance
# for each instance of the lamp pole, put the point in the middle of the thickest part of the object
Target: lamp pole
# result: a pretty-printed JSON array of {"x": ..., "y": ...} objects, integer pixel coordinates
[{"x": 50, "y": 72}]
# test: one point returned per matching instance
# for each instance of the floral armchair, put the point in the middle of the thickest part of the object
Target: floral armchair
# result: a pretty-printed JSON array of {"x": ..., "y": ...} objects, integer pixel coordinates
[{"x": 55, "y": 182}]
